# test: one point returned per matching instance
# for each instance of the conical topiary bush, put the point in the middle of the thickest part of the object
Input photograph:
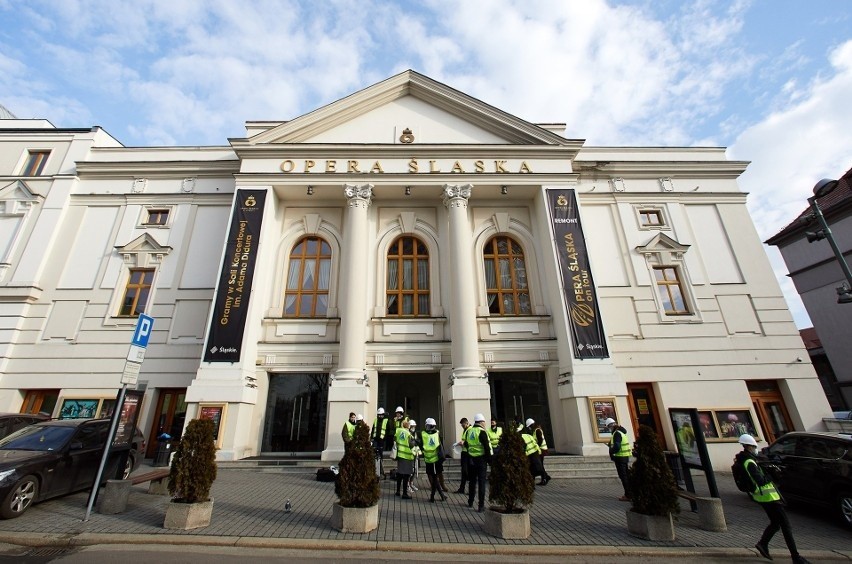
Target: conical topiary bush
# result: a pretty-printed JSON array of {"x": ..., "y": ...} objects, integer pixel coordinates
[
  {"x": 357, "y": 484},
  {"x": 193, "y": 467},
  {"x": 511, "y": 485},
  {"x": 653, "y": 489}
]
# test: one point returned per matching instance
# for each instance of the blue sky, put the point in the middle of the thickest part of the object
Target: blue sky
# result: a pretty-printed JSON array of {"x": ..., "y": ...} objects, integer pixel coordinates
[{"x": 769, "y": 79}]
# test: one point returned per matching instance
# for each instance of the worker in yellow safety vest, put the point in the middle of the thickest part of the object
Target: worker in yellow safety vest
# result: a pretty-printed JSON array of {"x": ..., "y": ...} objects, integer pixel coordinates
[{"x": 766, "y": 494}]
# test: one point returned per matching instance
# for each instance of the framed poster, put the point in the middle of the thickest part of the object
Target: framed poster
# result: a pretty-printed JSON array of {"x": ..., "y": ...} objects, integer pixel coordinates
[
  {"x": 685, "y": 437},
  {"x": 601, "y": 409},
  {"x": 79, "y": 408},
  {"x": 708, "y": 425},
  {"x": 127, "y": 419},
  {"x": 215, "y": 412},
  {"x": 735, "y": 422}
]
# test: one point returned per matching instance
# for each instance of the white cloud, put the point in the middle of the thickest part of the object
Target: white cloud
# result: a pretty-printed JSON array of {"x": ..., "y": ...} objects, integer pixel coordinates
[{"x": 791, "y": 149}]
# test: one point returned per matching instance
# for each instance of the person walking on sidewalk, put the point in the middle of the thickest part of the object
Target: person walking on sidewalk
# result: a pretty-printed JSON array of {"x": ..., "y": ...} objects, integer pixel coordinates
[
  {"x": 348, "y": 432},
  {"x": 479, "y": 453},
  {"x": 465, "y": 458},
  {"x": 433, "y": 455},
  {"x": 538, "y": 434},
  {"x": 769, "y": 499},
  {"x": 619, "y": 452},
  {"x": 404, "y": 459},
  {"x": 533, "y": 452}
]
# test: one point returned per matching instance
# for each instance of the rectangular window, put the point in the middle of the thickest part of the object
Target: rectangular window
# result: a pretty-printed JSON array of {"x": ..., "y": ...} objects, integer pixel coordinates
[
  {"x": 651, "y": 218},
  {"x": 670, "y": 290},
  {"x": 137, "y": 291},
  {"x": 157, "y": 217},
  {"x": 35, "y": 163}
]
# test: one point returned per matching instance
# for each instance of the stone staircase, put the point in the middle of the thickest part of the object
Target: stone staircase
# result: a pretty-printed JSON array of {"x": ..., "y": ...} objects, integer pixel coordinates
[{"x": 566, "y": 466}]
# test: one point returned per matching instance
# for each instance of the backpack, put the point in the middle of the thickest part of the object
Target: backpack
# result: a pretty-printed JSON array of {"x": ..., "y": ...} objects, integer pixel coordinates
[{"x": 742, "y": 477}]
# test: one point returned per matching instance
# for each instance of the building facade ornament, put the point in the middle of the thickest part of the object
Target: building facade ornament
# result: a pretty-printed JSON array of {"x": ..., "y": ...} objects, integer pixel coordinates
[
  {"x": 457, "y": 195},
  {"x": 359, "y": 196}
]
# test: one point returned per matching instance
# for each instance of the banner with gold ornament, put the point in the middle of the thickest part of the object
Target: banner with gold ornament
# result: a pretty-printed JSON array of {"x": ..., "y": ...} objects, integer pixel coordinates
[
  {"x": 577, "y": 283},
  {"x": 225, "y": 335}
]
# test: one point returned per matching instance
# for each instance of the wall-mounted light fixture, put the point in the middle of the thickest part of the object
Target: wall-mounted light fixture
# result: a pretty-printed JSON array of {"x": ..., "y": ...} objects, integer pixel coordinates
[
  {"x": 310, "y": 190},
  {"x": 408, "y": 190},
  {"x": 504, "y": 189}
]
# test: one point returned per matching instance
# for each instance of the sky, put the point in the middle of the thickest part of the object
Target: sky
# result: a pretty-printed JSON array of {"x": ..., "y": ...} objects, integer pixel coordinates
[{"x": 771, "y": 80}]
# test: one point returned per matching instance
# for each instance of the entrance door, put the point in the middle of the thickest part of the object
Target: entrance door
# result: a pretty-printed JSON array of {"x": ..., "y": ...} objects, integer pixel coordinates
[
  {"x": 296, "y": 410},
  {"x": 518, "y": 396},
  {"x": 770, "y": 409},
  {"x": 169, "y": 418},
  {"x": 418, "y": 394},
  {"x": 643, "y": 410},
  {"x": 40, "y": 401}
]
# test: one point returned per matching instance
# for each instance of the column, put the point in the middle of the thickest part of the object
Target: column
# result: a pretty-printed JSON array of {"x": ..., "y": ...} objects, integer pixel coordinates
[
  {"x": 469, "y": 393},
  {"x": 349, "y": 390}
]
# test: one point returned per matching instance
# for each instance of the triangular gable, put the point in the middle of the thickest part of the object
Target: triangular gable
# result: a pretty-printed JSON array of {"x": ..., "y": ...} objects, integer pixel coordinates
[
  {"x": 662, "y": 243},
  {"x": 143, "y": 244},
  {"x": 18, "y": 190},
  {"x": 410, "y": 92}
]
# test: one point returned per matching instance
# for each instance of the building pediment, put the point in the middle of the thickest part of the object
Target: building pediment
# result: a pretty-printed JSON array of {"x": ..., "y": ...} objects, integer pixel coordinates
[
  {"x": 143, "y": 252},
  {"x": 662, "y": 243},
  {"x": 19, "y": 191},
  {"x": 408, "y": 108}
]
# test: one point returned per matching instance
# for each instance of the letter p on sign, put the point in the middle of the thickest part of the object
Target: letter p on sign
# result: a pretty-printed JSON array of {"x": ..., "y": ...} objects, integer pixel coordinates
[{"x": 143, "y": 331}]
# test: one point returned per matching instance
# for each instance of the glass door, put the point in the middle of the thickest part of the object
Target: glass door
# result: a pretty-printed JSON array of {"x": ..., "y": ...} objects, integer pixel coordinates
[
  {"x": 295, "y": 414},
  {"x": 770, "y": 409},
  {"x": 168, "y": 418},
  {"x": 518, "y": 396}
]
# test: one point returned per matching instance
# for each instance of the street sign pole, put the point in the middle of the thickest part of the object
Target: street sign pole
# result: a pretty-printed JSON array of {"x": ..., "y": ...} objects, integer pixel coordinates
[{"x": 131, "y": 372}]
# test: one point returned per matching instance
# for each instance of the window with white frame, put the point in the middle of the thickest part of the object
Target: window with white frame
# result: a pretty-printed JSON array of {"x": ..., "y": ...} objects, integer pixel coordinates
[
  {"x": 670, "y": 290},
  {"x": 136, "y": 292},
  {"x": 669, "y": 279},
  {"x": 140, "y": 258},
  {"x": 35, "y": 162},
  {"x": 156, "y": 216},
  {"x": 651, "y": 217}
]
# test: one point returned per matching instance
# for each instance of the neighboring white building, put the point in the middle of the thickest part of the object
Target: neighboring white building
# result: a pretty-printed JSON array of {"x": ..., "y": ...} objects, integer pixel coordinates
[{"x": 402, "y": 246}]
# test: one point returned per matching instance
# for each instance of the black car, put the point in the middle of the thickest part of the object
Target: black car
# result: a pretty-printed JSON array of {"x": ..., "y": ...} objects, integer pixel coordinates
[
  {"x": 813, "y": 468},
  {"x": 54, "y": 458},
  {"x": 11, "y": 422}
]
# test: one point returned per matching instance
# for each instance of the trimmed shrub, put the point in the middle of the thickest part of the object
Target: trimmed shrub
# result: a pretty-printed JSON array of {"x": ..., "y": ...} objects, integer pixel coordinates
[
  {"x": 653, "y": 490},
  {"x": 193, "y": 467},
  {"x": 510, "y": 484},
  {"x": 357, "y": 484}
]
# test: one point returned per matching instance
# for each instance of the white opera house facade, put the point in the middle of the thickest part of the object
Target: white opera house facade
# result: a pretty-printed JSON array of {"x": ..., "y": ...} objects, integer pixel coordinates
[{"x": 408, "y": 245}]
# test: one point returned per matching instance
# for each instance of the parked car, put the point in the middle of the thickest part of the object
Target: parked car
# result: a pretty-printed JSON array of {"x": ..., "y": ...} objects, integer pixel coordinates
[
  {"x": 11, "y": 422},
  {"x": 813, "y": 468},
  {"x": 54, "y": 458},
  {"x": 137, "y": 453}
]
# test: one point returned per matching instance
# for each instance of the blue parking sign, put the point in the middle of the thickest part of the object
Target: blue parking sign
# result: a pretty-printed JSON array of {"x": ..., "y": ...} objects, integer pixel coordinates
[{"x": 143, "y": 331}]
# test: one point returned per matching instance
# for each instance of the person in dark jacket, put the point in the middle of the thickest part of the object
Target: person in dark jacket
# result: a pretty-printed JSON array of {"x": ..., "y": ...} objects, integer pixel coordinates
[
  {"x": 619, "y": 452},
  {"x": 479, "y": 454},
  {"x": 766, "y": 494}
]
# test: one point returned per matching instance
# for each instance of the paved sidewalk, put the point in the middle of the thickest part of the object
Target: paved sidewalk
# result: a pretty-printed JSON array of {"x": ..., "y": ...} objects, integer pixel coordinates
[{"x": 578, "y": 516}]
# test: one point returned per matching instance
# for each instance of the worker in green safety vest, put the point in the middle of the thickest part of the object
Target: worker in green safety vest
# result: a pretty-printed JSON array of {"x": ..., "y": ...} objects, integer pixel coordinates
[
  {"x": 348, "y": 432},
  {"x": 494, "y": 434},
  {"x": 766, "y": 494},
  {"x": 479, "y": 454},
  {"x": 433, "y": 455}
]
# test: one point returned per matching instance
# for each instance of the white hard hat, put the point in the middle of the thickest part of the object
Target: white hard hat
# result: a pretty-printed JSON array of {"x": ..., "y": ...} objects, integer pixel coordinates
[
  {"x": 400, "y": 410},
  {"x": 478, "y": 417},
  {"x": 529, "y": 422},
  {"x": 381, "y": 411},
  {"x": 747, "y": 440},
  {"x": 412, "y": 423},
  {"x": 359, "y": 417},
  {"x": 609, "y": 421},
  {"x": 430, "y": 421}
]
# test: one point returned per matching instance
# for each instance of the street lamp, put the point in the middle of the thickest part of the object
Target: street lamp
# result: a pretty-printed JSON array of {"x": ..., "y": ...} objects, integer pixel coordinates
[{"x": 823, "y": 187}]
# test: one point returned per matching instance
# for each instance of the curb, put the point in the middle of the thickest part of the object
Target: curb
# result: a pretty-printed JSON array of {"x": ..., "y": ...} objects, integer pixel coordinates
[{"x": 98, "y": 539}]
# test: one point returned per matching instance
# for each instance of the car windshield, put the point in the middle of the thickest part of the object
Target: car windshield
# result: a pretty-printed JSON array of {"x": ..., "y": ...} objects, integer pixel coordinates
[{"x": 37, "y": 437}]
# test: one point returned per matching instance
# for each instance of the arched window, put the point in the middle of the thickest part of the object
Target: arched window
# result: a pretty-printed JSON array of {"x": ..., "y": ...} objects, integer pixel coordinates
[
  {"x": 307, "y": 279},
  {"x": 506, "y": 277},
  {"x": 408, "y": 278}
]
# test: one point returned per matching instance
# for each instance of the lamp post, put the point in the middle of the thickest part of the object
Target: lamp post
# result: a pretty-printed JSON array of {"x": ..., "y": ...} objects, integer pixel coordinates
[{"x": 823, "y": 187}]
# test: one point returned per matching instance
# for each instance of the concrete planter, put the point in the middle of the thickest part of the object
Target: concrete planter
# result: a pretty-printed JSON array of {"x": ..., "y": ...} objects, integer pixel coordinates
[
  {"x": 187, "y": 516},
  {"x": 650, "y": 527},
  {"x": 507, "y": 525},
  {"x": 355, "y": 519}
]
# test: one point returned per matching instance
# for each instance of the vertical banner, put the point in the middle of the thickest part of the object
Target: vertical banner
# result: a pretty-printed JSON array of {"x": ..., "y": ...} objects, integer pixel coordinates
[
  {"x": 225, "y": 336},
  {"x": 577, "y": 284}
]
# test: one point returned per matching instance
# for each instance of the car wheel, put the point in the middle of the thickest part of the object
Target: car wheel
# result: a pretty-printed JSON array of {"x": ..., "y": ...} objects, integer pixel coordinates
[
  {"x": 20, "y": 498},
  {"x": 845, "y": 507},
  {"x": 128, "y": 467}
]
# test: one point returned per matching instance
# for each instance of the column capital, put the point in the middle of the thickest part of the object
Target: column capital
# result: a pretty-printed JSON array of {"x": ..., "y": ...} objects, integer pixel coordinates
[
  {"x": 456, "y": 195},
  {"x": 358, "y": 195}
]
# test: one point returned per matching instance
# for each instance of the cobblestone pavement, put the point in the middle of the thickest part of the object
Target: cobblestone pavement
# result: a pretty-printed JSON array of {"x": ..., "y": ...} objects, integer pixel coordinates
[{"x": 567, "y": 512}]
